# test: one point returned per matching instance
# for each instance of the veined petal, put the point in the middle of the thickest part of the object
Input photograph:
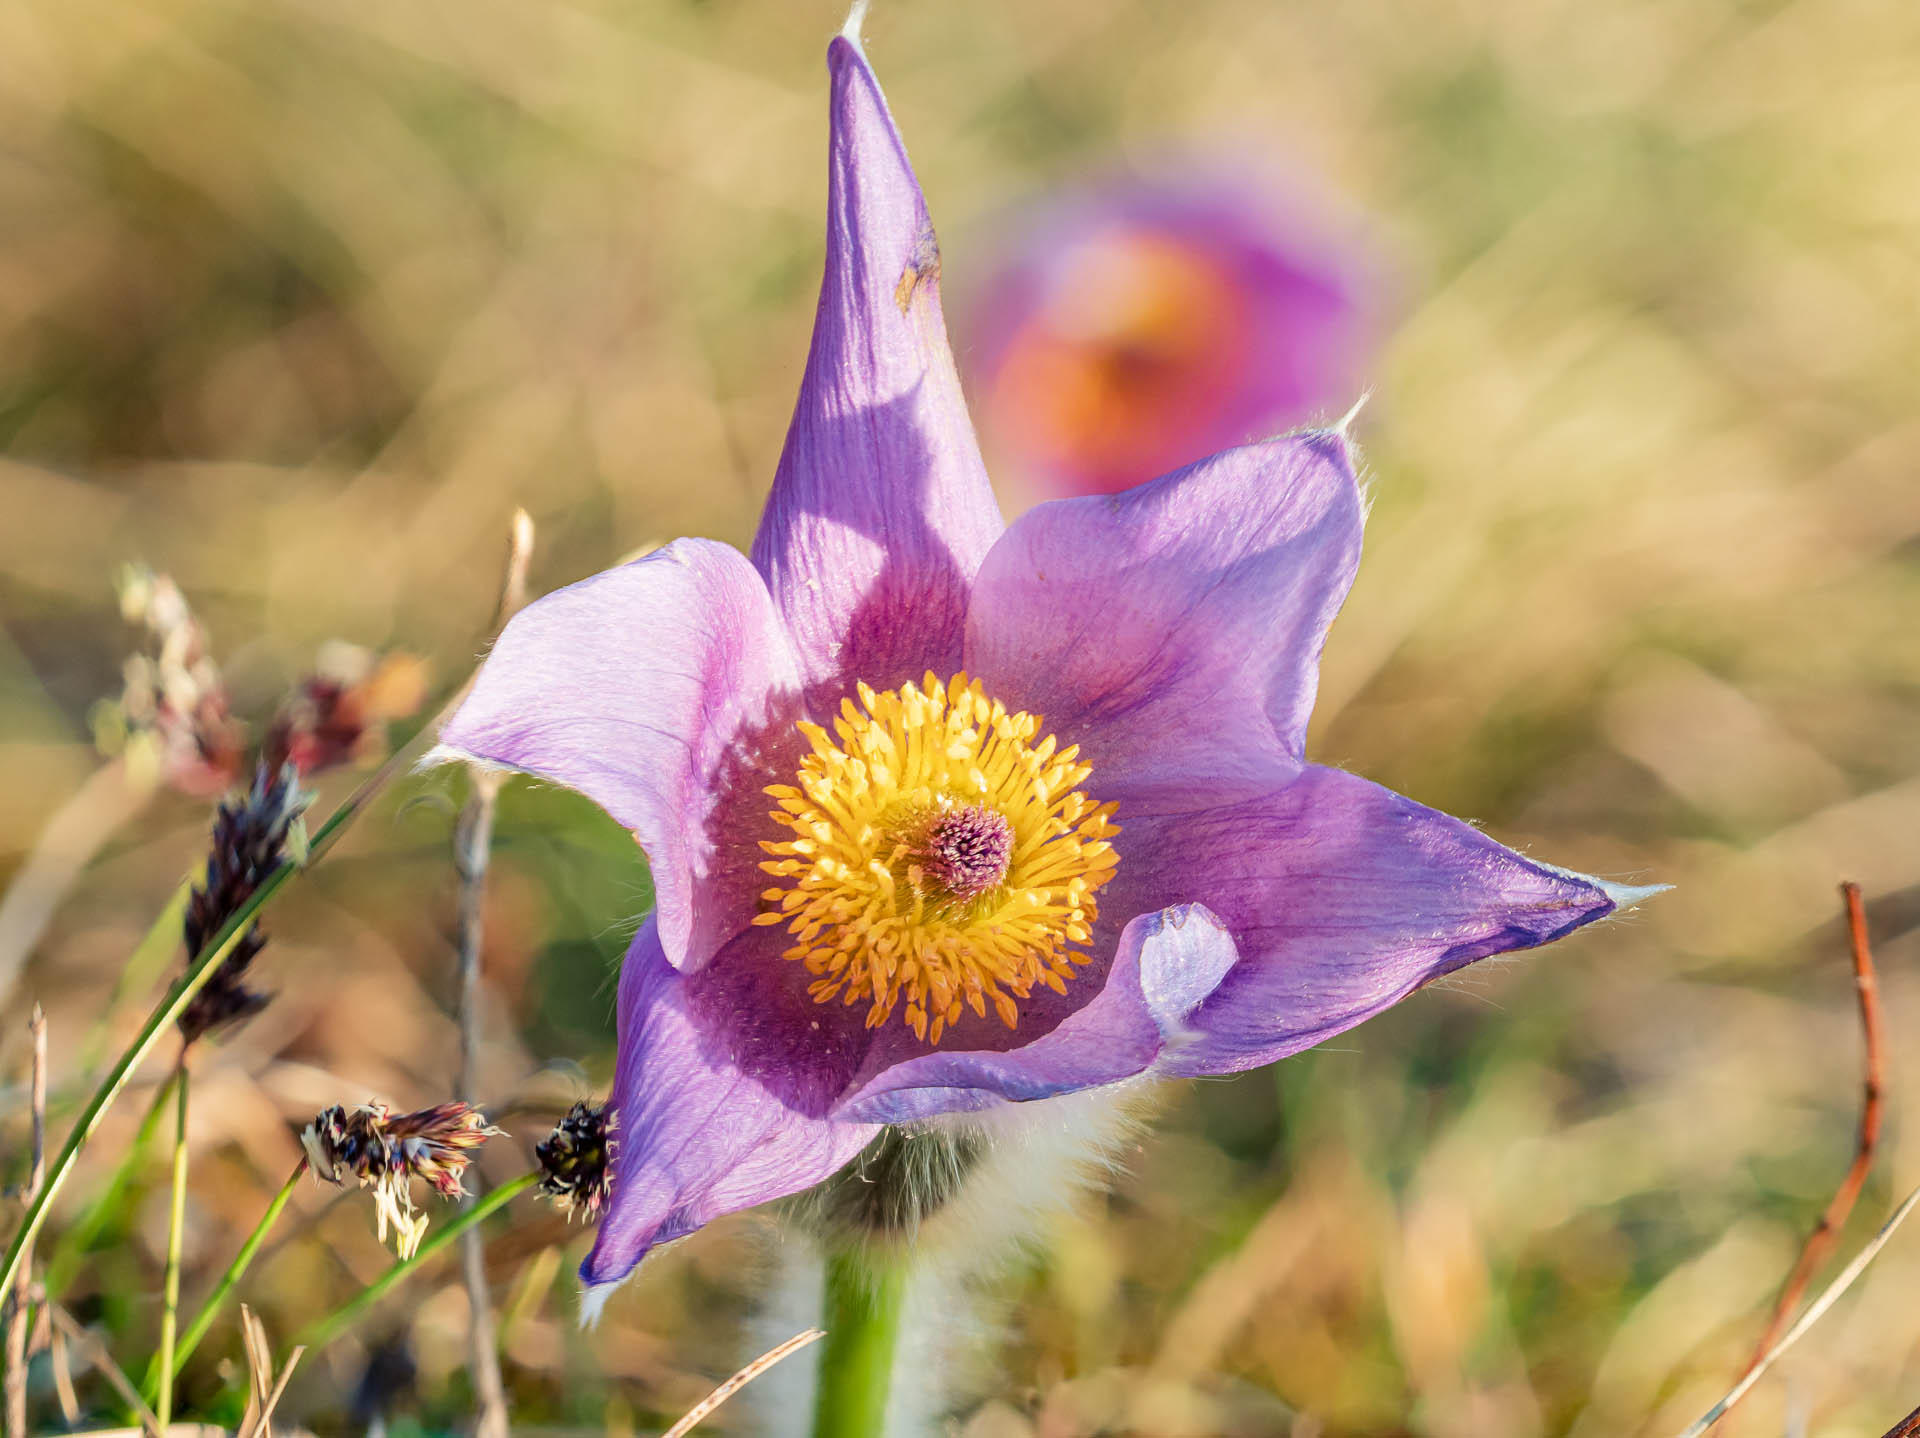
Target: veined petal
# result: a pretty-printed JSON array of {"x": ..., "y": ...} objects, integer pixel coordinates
[
  {"x": 1174, "y": 630},
  {"x": 880, "y": 512},
  {"x": 1342, "y": 898},
  {"x": 647, "y": 688},
  {"x": 697, "y": 1138},
  {"x": 1166, "y": 965}
]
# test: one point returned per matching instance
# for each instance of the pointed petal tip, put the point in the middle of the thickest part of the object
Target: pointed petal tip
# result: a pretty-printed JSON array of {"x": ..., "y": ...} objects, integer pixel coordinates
[
  {"x": 593, "y": 1299},
  {"x": 1626, "y": 896},
  {"x": 1621, "y": 896},
  {"x": 1344, "y": 426},
  {"x": 856, "y": 17}
]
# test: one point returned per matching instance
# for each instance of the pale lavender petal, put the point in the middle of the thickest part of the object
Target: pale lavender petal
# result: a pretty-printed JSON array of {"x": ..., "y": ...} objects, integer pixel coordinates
[
  {"x": 652, "y": 689},
  {"x": 1167, "y": 963},
  {"x": 697, "y": 1138},
  {"x": 1174, "y": 631},
  {"x": 1342, "y": 898},
  {"x": 880, "y": 511}
]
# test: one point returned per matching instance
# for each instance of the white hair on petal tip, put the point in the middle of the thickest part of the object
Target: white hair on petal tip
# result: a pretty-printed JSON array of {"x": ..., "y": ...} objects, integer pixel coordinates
[
  {"x": 593, "y": 1301},
  {"x": 1625, "y": 896},
  {"x": 1346, "y": 420},
  {"x": 856, "y": 17}
]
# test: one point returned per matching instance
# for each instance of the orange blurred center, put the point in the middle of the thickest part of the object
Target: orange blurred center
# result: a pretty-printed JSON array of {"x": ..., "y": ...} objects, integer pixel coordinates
[{"x": 1136, "y": 344}]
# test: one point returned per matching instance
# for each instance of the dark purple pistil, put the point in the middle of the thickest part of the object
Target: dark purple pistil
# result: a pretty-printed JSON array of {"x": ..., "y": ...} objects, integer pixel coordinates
[{"x": 966, "y": 851}]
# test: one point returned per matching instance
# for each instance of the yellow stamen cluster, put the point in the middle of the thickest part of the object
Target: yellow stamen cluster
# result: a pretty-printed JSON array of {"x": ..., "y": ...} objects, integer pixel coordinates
[{"x": 863, "y": 897}]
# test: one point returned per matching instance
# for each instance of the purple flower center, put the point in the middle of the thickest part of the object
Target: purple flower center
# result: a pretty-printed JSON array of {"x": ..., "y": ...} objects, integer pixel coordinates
[{"x": 966, "y": 851}]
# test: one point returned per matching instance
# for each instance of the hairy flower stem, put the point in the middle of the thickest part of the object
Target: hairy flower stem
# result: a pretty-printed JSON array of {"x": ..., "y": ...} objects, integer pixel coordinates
[
  {"x": 210, "y": 1310},
  {"x": 319, "y": 1334},
  {"x": 77, "y": 1242},
  {"x": 176, "y": 1233},
  {"x": 860, "y": 1310}
]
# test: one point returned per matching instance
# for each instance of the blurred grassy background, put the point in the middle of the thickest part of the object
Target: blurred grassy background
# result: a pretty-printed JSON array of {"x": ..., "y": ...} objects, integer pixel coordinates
[{"x": 299, "y": 299}]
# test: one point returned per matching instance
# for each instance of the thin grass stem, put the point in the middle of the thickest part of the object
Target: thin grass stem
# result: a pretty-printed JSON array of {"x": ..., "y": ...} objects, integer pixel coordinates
[
  {"x": 472, "y": 848},
  {"x": 319, "y": 1334},
  {"x": 176, "y": 1234},
  {"x": 236, "y": 1270},
  {"x": 1815, "y": 1312},
  {"x": 71, "y": 1250},
  {"x": 163, "y": 1017},
  {"x": 141, "y": 971},
  {"x": 17, "y": 1300},
  {"x": 696, "y": 1414}
]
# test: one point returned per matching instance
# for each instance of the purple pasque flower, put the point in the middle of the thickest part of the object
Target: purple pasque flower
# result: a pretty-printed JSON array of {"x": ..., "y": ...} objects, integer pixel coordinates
[
  {"x": 1137, "y": 321},
  {"x": 887, "y": 888}
]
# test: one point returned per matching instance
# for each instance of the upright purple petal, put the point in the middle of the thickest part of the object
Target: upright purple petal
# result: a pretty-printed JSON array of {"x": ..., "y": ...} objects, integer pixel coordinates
[
  {"x": 697, "y": 1138},
  {"x": 880, "y": 511},
  {"x": 650, "y": 688},
  {"x": 1174, "y": 630},
  {"x": 1342, "y": 898}
]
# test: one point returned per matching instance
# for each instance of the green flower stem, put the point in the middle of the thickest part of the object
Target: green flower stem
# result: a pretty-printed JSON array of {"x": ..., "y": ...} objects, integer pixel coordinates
[
  {"x": 210, "y": 1310},
  {"x": 864, "y": 1294},
  {"x": 161, "y": 1019},
  {"x": 77, "y": 1242},
  {"x": 319, "y": 1334},
  {"x": 176, "y": 1231}
]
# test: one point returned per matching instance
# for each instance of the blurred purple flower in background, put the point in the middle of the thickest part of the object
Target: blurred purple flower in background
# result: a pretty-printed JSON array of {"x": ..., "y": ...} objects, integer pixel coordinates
[
  {"x": 887, "y": 889},
  {"x": 1134, "y": 323}
]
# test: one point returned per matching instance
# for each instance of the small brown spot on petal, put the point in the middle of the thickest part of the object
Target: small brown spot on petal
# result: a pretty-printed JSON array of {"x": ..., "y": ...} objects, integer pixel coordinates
[{"x": 922, "y": 269}]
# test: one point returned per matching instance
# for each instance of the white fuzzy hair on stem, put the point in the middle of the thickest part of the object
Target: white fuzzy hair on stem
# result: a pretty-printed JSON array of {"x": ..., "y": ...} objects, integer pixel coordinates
[{"x": 1033, "y": 1161}]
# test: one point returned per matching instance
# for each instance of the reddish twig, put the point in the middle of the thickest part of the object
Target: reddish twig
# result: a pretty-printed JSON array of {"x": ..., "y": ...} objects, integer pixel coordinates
[
  {"x": 1816, "y": 1310},
  {"x": 1907, "y": 1427},
  {"x": 1819, "y": 1244}
]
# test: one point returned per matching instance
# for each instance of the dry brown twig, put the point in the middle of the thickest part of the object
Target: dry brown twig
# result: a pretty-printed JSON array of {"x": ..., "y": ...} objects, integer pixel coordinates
[
  {"x": 89, "y": 1347},
  {"x": 18, "y": 1303},
  {"x": 62, "y": 1368},
  {"x": 472, "y": 846},
  {"x": 741, "y": 1379},
  {"x": 264, "y": 1389},
  {"x": 1819, "y": 1245},
  {"x": 1816, "y": 1310}
]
